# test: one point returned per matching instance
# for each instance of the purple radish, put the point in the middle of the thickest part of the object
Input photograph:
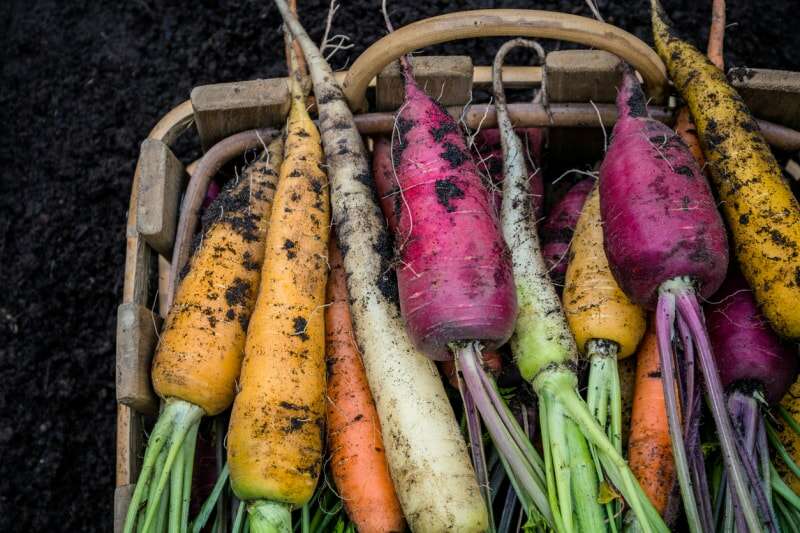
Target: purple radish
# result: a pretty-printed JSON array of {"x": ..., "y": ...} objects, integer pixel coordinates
[
  {"x": 667, "y": 247},
  {"x": 756, "y": 367},
  {"x": 748, "y": 352}
]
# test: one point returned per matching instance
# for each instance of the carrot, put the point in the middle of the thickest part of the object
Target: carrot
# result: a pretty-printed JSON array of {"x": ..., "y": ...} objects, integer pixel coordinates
[
  {"x": 276, "y": 430},
  {"x": 358, "y": 461},
  {"x": 546, "y": 355},
  {"x": 427, "y": 456},
  {"x": 761, "y": 211},
  {"x": 607, "y": 326},
  {"x": 649, "y": 445},
  {"x": 200, "y": 350},
  {"x": 684, "y": 125}
]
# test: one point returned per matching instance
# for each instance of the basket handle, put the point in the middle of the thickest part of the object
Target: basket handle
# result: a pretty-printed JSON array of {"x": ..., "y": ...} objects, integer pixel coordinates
[{"x": 504, "y": 23}]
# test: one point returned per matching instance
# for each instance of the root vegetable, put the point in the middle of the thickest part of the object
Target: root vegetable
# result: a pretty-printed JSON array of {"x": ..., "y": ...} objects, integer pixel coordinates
[{"x": 427, "y": 457}]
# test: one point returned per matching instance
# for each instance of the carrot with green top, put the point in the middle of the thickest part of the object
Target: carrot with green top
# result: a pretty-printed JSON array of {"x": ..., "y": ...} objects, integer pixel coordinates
[
  {"x": 199, "y": 355},
  {"x": 276, "y": 432}
]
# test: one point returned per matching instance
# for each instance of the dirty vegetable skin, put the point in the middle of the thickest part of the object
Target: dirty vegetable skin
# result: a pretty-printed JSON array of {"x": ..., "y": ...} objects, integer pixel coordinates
[
  {"x": 649, "y": 447},
  {"x": 454, "y": 272},
  {"x": 427, "y": 456},
  {"x": 488, "y": 151},
  {"x": 277, "y": 424},
  {"x": 595, "y": 306},
  {"x": 358, "y": 461},
  {"x": 660, "y": 220},
  {"x": 558, "y": 229},
  {"x": 747, "y": 350},
  {"x": 201, "y": 348},
  {"x": 200, "y": 351},
  {"x": 763, "y": 215},
  {"x": 789, "y": 437}
]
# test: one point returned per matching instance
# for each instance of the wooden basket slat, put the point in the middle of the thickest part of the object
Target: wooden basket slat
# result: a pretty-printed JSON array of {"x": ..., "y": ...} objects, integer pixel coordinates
[
  {"x": 160, "y": 185},
  {"x": 448, "y": 79}
]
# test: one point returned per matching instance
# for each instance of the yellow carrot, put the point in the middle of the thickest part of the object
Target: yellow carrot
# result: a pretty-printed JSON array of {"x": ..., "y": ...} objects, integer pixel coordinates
[
  {"x": 605, "y": 323},
  {"x": 200, "y": 350},
  {"x": 762, "y": 212},
  {"x": 277, "y": 425}
]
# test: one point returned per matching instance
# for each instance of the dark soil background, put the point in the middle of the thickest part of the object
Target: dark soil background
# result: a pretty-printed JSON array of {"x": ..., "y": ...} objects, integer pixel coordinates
[{"x": 81, "y": 85}]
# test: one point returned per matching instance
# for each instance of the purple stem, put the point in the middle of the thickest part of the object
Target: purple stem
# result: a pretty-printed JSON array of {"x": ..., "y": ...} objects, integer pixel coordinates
[
  {"x": 689, "y": 308},
  {"x": 745, "y": 445},
  {"x": 508, "y": 418},
  {"x": 501, "y": 436},
  {"x": 735, "y": 409},
  {"x": 665, "y": 322},
  {"x": 507, "y": 515},
  {"x": 475, "y": 442},
  {"x": 691, "y": 422},
  {"x": 688, "y": 366}
]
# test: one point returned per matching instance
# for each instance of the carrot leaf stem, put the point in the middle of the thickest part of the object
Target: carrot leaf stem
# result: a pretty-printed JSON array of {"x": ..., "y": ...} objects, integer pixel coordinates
[
  {"x": 189, "y": 448},
  {"x": 783, "y": 490},
  {"x": 186, "y": 416},
  {"x": 237, "y": 522},
  {"x": 305, "y": 519},
  {"x": 585, "y": 482},
  {"x": 176, "y": 493},
  {"x": 153, "y": 464},
  {"x": 163, "y": 507},
  {"x": 776, "y": 443},
  {"x": 519, "y": 465},
  {"x": 561, "y": 384},
  {"x": 604, "y": 399},
  {"x": 740, "y": 475},
  {"x": 208, "y": 506},
  {"x": 266, "y": 516},
  {"x": 789, "y": 419},
  {"x": 474, "y": 432}
]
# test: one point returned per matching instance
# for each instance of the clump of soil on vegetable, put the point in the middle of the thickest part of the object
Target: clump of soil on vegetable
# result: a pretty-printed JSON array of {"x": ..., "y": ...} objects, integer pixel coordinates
[{"x": 82, "y": 84}]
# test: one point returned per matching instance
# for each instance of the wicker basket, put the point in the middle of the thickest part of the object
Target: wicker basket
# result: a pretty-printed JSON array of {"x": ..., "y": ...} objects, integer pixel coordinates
[{"x": 581, "y": 85}]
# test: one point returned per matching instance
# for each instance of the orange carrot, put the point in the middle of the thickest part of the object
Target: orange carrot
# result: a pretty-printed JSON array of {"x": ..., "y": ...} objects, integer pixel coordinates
[
  {"x": 649, "y": 448},
  {"x": 358, "y": 460}
]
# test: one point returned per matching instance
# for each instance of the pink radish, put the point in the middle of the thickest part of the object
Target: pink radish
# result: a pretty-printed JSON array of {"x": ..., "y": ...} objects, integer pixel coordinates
[{"x": 454, "y": 273}]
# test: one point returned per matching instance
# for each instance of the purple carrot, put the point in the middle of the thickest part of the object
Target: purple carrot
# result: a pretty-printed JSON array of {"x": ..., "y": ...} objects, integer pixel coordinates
[
  {"x": 559, "y": 226},
  {"x": 667, "y": 247}
]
